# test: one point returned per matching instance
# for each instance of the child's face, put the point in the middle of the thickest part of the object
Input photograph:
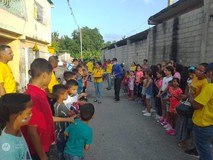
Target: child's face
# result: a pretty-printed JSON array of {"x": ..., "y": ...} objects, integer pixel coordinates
[
  {"x": 63, "y": 95},
  {"x": 159, "y": 75},
  {"x": 167, "y": 72},
  {"x": 131, "y": 73},
  {"x": 46, "y": 78},
  {"x": 73, "y": 90},
  {"x": 200, "y": 72},
  {"x": 191, "y": 75},
  {"x": 24, "y": 117},
  {"x": 139, "y": 69},
  {"x": 175, "y": 83}
]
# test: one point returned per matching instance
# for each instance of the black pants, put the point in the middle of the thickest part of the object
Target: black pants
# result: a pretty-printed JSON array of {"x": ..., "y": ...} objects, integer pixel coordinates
[{"x": 117, "y": 87}]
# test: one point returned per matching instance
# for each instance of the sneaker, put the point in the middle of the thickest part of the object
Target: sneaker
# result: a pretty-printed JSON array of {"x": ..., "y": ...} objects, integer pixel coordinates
[
  {"x": 152, "y": 110},
  {"x": 192, "y": 152},
  {"x": 167, "y": 125},
  {"x": 161, "y": 120},
  {"x": 147, "y": 114},
  {"x": 144, "y": 111},
  {"x": 99, "y": 102},
  {"x": 157, "y": 117},
  {"x": 96, "y": 100},
  {"x": 171, "y": 132}
]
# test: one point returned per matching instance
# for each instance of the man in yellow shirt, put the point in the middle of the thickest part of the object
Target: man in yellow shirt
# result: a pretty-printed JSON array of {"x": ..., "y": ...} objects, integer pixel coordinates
[
  {"x": 90, "y": 69},
  {"x": 54, "y": 63},
  {"x": 7, "y": 81},
  {"x": 203, "y": 117},
  {"x": 109, "y": 74}
]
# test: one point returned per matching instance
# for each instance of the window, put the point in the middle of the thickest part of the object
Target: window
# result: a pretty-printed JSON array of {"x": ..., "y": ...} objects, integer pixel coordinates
[{"x": 39, "y": 12}]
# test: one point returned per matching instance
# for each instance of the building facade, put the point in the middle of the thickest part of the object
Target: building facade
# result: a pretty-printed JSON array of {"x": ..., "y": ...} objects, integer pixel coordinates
[
  {"x": 182, "y": 32},
  {"x": 25, "y": 25}
]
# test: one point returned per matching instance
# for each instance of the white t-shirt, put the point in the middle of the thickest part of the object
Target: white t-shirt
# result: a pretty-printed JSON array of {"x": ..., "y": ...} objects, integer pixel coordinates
[
  {"x": 166, "y": 81},
  {"x": 70, "y": 100}
]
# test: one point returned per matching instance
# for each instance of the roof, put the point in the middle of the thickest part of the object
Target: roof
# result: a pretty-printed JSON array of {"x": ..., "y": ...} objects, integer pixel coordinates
[
  {"x": 50, "y": 2},
  {"x": 178, "y": 8},
  {"x": 135, "y": 38}
]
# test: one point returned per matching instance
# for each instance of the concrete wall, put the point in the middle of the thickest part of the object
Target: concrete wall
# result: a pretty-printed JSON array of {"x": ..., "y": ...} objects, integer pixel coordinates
[{"x": 187, "y": 38}]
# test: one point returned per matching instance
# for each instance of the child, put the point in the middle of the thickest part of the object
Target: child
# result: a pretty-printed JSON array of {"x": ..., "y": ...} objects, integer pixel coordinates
[
  {"x": 68, "y": 76},
  {"x": 16, "y": 111},
  {"x": 60, "y": 93},
  {"x": 149, "y": 94},
  {"x": 131, "y": 85},
  {"x": 80, "y": 135},
  {"x": 40, "y": 132},
  {"x": 138, "y": 76},
  {"x": 79, "y": 79},
  {"x": 85, "y": 76},
  {"x": 163, "y": 93},
  {"x": 125, "y": 83},
  {"x": 174, "y": 92},
  {"x": 158, "y": 84}
]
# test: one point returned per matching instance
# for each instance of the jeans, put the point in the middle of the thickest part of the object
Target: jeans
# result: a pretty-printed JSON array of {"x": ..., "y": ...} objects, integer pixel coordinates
[
  {"x": 109, "y": 81},
  {"x": 202, "y": 137},
  {"x": 117, "y": 87},
  {"x": 98, "y": 90},
  {"x": 70, "y": 157},
  {"x": 60, "y": 148}
]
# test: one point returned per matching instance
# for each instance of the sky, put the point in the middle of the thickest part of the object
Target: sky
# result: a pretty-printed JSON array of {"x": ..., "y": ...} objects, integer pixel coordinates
[{"x": 114, "y": 18}]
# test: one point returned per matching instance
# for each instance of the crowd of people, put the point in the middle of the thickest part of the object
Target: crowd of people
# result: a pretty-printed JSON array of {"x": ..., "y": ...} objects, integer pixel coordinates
[
  {"x": 57, "y": 110},
  {"x": 179, "y": 97}
]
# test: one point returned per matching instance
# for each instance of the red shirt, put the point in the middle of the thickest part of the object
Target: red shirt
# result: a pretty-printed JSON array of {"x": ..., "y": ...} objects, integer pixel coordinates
[
  {"x": 41, "y": 117},
  {"x": 174, "y": 93}
]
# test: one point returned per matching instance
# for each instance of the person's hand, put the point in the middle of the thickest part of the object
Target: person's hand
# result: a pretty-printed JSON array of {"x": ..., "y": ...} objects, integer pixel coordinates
[
  {"x": 159, "y": 95},
  {"x": 83, "y": 94},
  {"x": 44, "y": 157},
  {"x": 72, "y": 119}
]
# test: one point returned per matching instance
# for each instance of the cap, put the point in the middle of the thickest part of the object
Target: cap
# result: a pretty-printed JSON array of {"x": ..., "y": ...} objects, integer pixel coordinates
[{"x": 209, "y": 67}]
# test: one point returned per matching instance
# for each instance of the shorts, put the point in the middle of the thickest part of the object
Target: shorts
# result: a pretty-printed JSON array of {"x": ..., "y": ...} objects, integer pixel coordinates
[
  {"x": 131, "y": 86},
  {"x": 148, "y": 96},
  {"x": 164, "y": 96},
  {"x": 143, "y": 92}
]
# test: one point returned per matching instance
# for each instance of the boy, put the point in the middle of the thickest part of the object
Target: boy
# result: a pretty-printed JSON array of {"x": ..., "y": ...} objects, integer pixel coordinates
[
  {"x": 73, "y": 96},
  {"x": 16, "y": 111},
  {"x": 68, "y": 76},
  {"x": 60, "y": 93},
  {"x": 80, "y": 135}
]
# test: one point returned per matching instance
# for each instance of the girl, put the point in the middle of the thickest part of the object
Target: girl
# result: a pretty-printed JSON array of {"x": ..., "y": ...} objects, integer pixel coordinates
[
  {"x": 97, "y": 75},
  {"x": 163, "y": 93},
  {"x": 16, "y": 111},
  {"x": 149, "y": 93},
  {"x": 138, "y": 76},
  {"x": 125, "y": 83},
  {"x": 174, "y": 92},
  {"x": 133, "y": 67},
  {"x": 131, "y": 85},
  {"x": 158, "y": 84},
  {"x": 40, "y": 132}
]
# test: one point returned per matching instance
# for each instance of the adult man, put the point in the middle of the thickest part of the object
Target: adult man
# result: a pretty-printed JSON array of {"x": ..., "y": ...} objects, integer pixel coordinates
[
  {"x": 7, "y": 81},
  {"x": 117, "y": 74},
  {"x": 109, "y": 72},
  {"x": 145, "y": 66},
  {"x": 90, "y": 69},
  {"x": 54, "y": 63},
  {"x": 203, "y": 117}
]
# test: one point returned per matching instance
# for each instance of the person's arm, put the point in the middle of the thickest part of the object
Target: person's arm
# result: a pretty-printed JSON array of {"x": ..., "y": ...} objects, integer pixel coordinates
[
  {"x": 87, "y": 147},
  {"x": 36, "y": 142},
  {"x": 60, "y": 119},
  {"x": 148, "y": 83},
  {"x": 195, "y": 104},
  {"x": 2, "y": 90}
]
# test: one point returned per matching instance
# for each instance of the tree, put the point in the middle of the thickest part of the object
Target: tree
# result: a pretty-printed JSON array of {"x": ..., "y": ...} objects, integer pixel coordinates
[{"x": 55, "y": 40}]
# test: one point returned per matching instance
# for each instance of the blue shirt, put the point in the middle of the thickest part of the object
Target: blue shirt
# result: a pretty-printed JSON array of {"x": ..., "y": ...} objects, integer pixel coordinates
[
  {"x": 117, "y": 70},
  {"x": 79, "y": 135},
  {"x": 13, "y": 147}
]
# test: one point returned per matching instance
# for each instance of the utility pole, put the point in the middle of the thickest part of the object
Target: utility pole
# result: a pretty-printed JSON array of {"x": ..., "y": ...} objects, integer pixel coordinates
[
  {"x": 79, "y": 29},
  {"x": 170, "y": 2}
]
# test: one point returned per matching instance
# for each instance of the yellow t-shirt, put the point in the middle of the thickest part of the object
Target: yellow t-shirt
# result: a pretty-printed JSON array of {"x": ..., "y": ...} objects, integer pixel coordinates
[
  {"x": 6, "y": 77},
  {"x": 204, "y": 117},
  {"x": 133, "y": 68},
  {"x": 90, "y": 66},
  {"x": 97, "y": 75},
  {"x": 197, "y": 85},
  {"x": 52, "y": 83},
  {"x": 109, "y": 68}
]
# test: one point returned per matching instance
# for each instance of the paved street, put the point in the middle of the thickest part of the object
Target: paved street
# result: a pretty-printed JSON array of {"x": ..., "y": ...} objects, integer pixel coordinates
[{"x": 121, "y": 132}]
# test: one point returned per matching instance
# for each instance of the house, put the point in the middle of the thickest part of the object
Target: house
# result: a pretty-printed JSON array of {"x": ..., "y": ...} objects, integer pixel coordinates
[{"x": 25, "y": 25}]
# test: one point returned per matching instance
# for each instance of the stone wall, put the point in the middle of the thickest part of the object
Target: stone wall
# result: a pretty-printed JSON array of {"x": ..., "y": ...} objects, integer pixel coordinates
[{"x": 187, "y": 38}]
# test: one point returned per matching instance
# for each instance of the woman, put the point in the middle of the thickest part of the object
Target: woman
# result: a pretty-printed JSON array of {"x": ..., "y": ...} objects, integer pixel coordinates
[{"x": 97, "y": 75}]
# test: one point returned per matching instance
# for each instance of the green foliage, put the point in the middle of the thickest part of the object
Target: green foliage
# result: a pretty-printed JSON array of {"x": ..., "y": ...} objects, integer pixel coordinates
[{"x": 92, "y": 43}]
